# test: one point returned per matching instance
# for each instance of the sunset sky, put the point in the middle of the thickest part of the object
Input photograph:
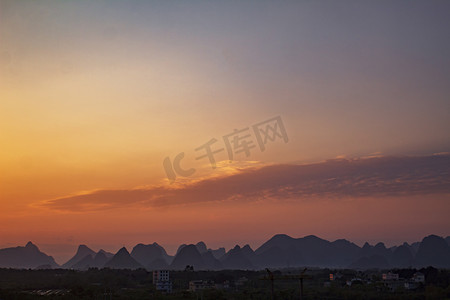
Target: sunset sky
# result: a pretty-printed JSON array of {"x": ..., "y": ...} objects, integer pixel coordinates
[{"x": 95, "y": 95}]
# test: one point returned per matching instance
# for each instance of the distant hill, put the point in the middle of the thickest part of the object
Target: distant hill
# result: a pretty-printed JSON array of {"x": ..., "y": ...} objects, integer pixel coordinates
[
  {"x": 28, "y": 257},
  {"x": 82, "y": 252},
  {"x": 188, "y": 255},
  {"x": 433, "y": 251},
  {"x": 191, "y": 255},
  {"x": 106, "y": 253},
  {"x": 98, "y": 261},
  {"x": 201, "y": 247},
  {"x": 150, "y": 255},
  {"x": 402, "y": 256},
  {"x": 123, "y": 260},
  {"x": 370, "y": 262},
  {"x": 238, "y": 258},
  {"x": 285, "y": 251},
  {"x": 86, "y": 258},
  {"x": 218, "y": 253},
  {"x": 280, "y": 251},
  {"x": 210, "y": 262},
  {"x": 157, "y": 264},
  {"x": 84, "y": 264}
]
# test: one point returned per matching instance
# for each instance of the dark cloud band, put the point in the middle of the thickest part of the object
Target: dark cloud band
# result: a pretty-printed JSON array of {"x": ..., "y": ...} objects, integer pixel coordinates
[{"x": 373, "y": 177}]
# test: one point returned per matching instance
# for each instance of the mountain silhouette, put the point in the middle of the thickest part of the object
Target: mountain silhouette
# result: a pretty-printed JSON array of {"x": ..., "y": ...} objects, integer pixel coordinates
[
  {"x": 377, "y": 250},
  {"x": 25, "y": 258},
  {"x": 433, "y": 251},
  {"x": 370, "y": 262},
  {"x": 238, "y": 258},
  {"x": 285, "y": 251},
  {"x": 98, "y": 261},
  {"x": 188, "y": 255},
  {"x": 218, "y": 253},
  {"x": 90, "y": 260},
  {"x": 157, "y": 264},
  {"x": 201, "y": 247},
  {"x": 402, "y": 257},
  {"x": 82, "y": 252},
  {"x": 280, "y": 251},
  {"x": 84, "y": 264},
  {"x": 147, "y": 254},
  {"x": 210, "y": 262},
  {"x": 343, "y": 252},
  {"x": 123, "y": 260},
  {"x": 249, "y": 253},
  {"x": 106, "y": 253}
]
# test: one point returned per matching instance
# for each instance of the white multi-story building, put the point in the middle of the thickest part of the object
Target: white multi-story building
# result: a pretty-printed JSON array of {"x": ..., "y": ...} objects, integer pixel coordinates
[
  {"x": 161, "y": 275},
  {"x": 161, "y": 280}
]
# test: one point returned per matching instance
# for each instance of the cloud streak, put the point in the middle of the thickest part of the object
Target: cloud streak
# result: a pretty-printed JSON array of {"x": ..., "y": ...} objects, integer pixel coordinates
[{"x": 374, "y": 177}]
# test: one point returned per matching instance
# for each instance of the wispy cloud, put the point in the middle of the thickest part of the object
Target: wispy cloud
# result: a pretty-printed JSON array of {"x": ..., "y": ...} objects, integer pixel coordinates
[{"x": 375, "y": 176}]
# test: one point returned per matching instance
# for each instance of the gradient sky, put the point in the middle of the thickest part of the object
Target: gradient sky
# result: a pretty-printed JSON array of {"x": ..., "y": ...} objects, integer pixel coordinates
[{"x": 95, "y": 94}]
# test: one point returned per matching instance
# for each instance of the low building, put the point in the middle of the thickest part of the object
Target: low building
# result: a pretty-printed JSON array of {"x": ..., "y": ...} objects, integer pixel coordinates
[
  {"x": 354, "y": 281},
  {"x": 418, "y": 277},
  {"x": 390, "y": 276},
  {"x": 164, "y": 286},
  {"x": 416, "y": 281},
  {"x": 411, "y": 285},
  {"x": 241, "y": 281},
  {"x": 223, "y": 286},
  {"x": 161, "y": 275},
  {"x": 196, "y": 285},
  {"x": 161, "y": 280}
]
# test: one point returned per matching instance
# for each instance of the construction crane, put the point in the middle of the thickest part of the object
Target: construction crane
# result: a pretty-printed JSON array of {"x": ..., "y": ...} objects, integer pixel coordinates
[{"x": 271, "y": 277}]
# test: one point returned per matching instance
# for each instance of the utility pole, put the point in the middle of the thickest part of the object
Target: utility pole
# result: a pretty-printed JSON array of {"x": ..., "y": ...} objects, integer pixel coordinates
[
  {"x": 301, "y": 277},
  {"x": 271, "y": 283}
]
